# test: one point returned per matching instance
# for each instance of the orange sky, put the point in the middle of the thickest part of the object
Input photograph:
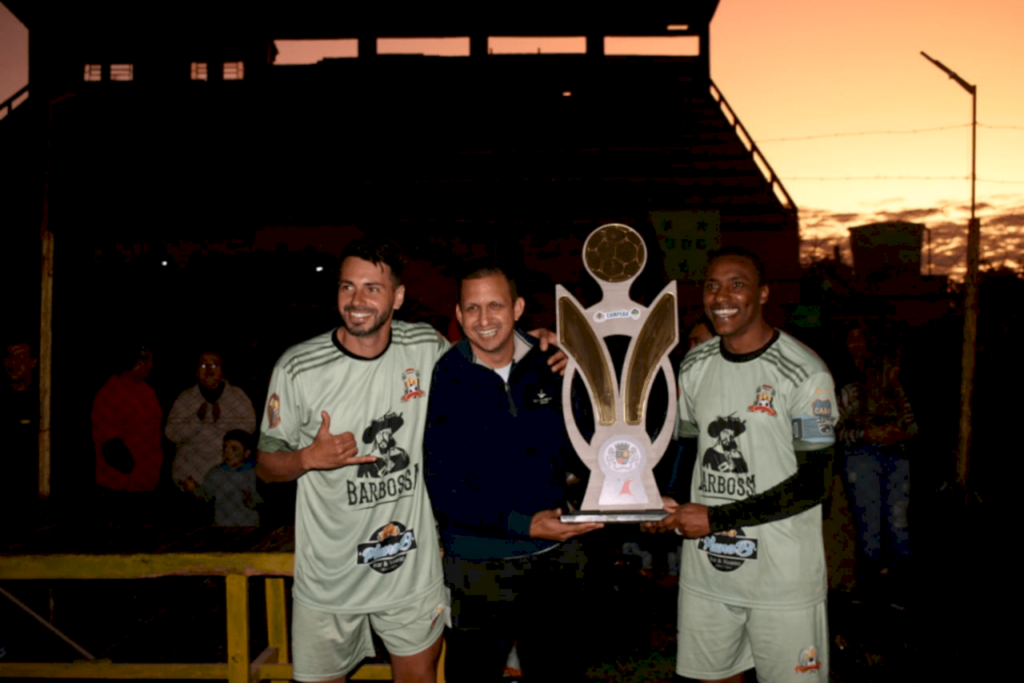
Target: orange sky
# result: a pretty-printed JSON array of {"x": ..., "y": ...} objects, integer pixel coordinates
[{"x": 800, "y": 68}]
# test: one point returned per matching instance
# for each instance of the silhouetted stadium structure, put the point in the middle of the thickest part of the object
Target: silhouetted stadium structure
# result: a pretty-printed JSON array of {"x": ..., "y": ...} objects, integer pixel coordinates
[
  {"x": 173, "y": 124},
  {"x": 167, "y": 135}
]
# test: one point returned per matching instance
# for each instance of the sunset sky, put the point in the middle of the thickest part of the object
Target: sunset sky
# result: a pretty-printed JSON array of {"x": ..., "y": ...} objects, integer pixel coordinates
[{"x": 807, "y": 77}]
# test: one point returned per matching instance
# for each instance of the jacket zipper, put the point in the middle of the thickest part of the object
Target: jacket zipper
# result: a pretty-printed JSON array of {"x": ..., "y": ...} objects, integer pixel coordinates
[{"x": 511, "y": 403}]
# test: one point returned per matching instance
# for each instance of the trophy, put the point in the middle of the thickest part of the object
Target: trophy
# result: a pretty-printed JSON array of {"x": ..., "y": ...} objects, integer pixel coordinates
[{"x": 621, "y": 455}]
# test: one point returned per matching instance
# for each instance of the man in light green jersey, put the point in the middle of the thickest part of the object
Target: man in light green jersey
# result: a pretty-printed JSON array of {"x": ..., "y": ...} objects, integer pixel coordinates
[
  {"x": 753, "y": 578},
  {"x": 366, "y": 548}
]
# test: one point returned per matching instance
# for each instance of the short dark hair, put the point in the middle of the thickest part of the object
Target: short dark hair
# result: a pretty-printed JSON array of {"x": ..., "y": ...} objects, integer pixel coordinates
[
  {"x": 706, "y": 322},
  {"x": 485, "y": 267},
  {"x": 376, "y": 250},
  {"x": 741, "y": 252},
  {"x": 241, "y": 436},
  {"x": 128, "y": 352}
]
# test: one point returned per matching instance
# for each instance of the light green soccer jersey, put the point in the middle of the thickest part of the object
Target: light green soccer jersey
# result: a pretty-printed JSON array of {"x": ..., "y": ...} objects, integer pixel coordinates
[
  {"x": 365, "y": 538},
  {"x": 749, "y": 415}
]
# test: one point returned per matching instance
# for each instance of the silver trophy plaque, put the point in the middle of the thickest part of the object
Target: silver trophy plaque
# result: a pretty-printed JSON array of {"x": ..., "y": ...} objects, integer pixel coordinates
[{"x": 620, "y": 455}]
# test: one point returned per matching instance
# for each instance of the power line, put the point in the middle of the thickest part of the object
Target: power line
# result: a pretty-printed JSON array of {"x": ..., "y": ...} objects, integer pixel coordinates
[
  {"x": 869, "y": 132},
  {"x": 898, "y": 177},
  {"x": 912, "y": 131}
]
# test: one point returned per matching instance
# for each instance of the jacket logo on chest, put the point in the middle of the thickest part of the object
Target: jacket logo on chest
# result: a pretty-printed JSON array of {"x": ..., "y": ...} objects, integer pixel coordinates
[{"x": 542, "y": 398}]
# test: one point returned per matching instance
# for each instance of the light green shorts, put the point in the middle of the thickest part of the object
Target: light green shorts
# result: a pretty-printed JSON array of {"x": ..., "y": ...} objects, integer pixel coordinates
[
  {"x": 328, "y": 646},
  {"x": 717, "y": 640}
]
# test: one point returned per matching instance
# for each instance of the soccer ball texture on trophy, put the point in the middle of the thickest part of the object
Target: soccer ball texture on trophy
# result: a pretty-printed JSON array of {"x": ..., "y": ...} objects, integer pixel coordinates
[{"x": 614, "y": 253}]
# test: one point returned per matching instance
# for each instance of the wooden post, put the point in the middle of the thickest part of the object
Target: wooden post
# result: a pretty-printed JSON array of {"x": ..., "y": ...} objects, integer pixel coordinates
[
  {"x": 277, "y": 627},
  {"x": 238, "y": 628},
  {"x": 45, "y": 355}
]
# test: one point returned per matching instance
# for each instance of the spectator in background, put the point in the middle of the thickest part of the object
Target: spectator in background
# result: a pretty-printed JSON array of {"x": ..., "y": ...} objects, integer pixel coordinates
[
  {"x": 232, "y": 484},
  {"x": 126, "y": 418},
  {"x": 199, "y": 419},
  {"x": 701, "y": 331},
  {"x": 875, "y": 424}
]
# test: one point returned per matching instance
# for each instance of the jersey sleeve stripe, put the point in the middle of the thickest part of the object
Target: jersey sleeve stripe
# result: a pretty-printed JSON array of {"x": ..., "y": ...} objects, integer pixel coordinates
[
  {"x": 796, "y": 366},
  {"x": 417, "y": 336},
  {"x": 793, "y": 373},
  {"x": 304, "y": 357},
  {"x": 698, "y": 356},
  {"x": 314, "y": 365}
]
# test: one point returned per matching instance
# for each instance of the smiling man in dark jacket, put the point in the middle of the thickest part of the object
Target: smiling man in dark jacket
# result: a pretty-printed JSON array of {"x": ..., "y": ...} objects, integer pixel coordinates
[{"x": 497, "y": 459}]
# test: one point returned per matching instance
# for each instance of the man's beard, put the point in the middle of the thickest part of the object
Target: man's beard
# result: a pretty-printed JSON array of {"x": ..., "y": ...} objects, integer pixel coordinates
[{"x": 370, "y": 329}]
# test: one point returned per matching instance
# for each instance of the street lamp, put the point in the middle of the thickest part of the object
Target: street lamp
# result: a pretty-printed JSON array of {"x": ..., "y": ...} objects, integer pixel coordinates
[{"x": 971, "y": 293}]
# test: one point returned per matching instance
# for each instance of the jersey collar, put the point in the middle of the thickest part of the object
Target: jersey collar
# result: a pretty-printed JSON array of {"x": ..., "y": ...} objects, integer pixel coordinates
[
  {"x": 744, "y": 357},
  {"x": 338, "y": 345}
]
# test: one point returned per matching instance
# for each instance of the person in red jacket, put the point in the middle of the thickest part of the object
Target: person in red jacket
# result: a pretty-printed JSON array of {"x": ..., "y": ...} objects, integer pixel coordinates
[{"x": 126, "y": 432}]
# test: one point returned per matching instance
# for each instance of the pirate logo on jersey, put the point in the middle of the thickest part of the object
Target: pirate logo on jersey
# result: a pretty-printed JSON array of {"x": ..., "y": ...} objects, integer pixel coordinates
[
  {"x": 390, "y": 458},
  {"x": 727, "y": 551},
  {"x": 411, "y": 384},
  {"x": 764, "y": 400},
  {"x": 387, "y": 548},
  {"x": 725, "y": 456}
]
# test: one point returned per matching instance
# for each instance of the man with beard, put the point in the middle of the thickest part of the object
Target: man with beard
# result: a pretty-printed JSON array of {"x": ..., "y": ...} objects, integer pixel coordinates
[
  {"x": 753, "y": 579},
  {"x": 366, "y": 549},
  {"x": 367, "y": 555},
  {"x": 390, "y": 457},
  {"x": 728, "y": 458}
]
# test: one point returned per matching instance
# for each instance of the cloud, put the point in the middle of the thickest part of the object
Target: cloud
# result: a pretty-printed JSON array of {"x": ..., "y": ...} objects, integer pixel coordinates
[
  {"x": 1002, "y": 234},
  {"x": 1006, "y": 220},
  {"x": 910, "y": 215},
  {"x": 844, "y": 217}
]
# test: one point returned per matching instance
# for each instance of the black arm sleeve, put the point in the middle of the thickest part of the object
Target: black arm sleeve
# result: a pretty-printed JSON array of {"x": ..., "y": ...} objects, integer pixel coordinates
[{"x": 808, "y": 487}]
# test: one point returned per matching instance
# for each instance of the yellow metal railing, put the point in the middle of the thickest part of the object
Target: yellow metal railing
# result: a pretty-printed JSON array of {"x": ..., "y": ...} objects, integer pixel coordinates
[{"x": 271, "y": 664}]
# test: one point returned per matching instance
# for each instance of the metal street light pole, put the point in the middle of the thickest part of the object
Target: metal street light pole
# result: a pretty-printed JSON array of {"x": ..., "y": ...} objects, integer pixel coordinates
[{"x": 970, "y": 296}]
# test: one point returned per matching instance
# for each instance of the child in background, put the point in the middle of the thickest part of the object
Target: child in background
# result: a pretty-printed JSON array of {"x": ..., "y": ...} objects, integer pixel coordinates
[{"x": 232, "y": 484}]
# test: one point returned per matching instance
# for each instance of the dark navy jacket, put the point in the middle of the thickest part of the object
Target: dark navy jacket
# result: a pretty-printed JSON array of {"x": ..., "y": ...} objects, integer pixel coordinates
[{"x": 495, "y": 453}]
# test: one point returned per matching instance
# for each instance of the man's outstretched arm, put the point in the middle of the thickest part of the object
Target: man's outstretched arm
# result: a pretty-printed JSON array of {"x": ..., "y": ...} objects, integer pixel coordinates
[{"x": 793, "y": 495}]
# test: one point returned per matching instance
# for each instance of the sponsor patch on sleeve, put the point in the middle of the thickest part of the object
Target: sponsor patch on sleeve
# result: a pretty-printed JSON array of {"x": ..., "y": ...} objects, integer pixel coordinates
[{"x": 274, "y": 410}]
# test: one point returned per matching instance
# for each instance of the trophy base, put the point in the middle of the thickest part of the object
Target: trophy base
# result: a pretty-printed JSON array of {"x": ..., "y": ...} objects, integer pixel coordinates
[{"x": 613, "y": 517}]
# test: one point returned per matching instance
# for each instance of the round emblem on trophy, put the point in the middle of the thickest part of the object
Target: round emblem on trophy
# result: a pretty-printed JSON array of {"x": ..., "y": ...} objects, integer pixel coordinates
[
  {"x": 621, "y": 454},
  {"x": 614, "y": 253}
]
